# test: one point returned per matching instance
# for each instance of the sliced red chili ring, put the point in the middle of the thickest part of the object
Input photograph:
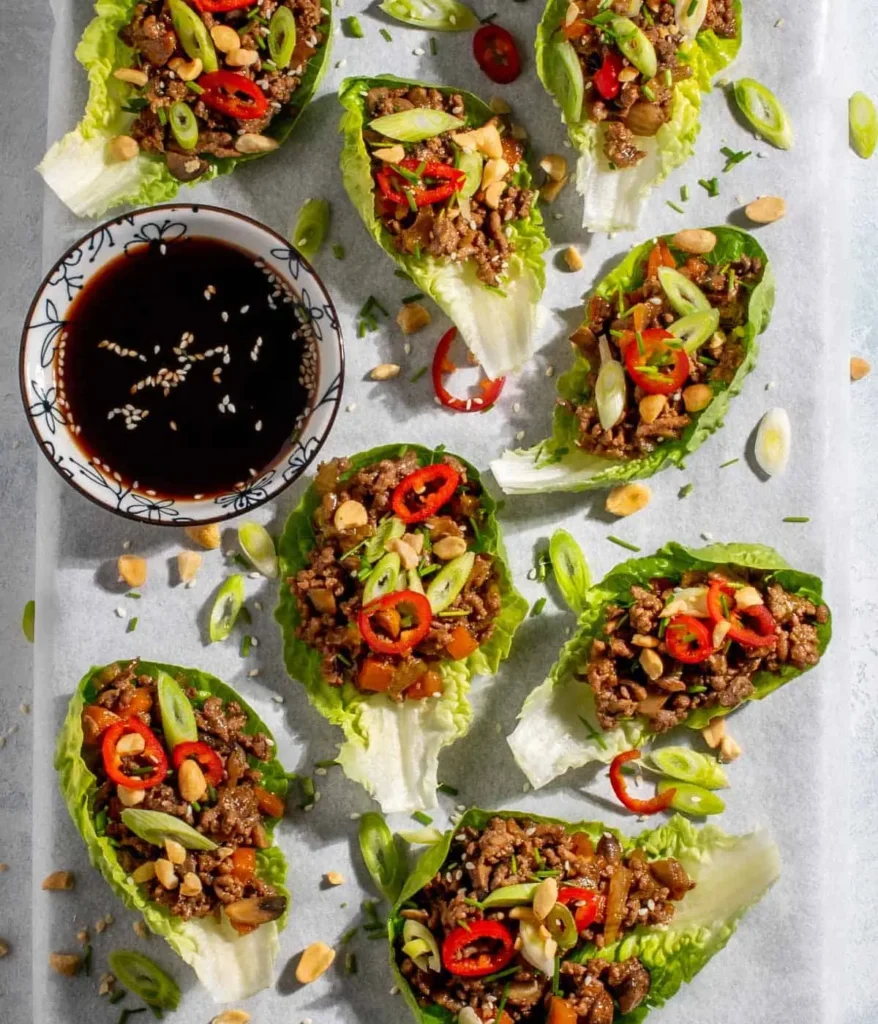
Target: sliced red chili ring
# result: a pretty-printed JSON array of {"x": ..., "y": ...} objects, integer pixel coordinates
[
  {"x": 654, "y": 365},
  {"x": 620, "y": 788},
  {"x": 421, "y": 494},
  {"x": 688, "y": 640},
  {"x": 218, "y": 6},
  {"x": 403, "y": 603},
  {"x": 207, "y": 758},
  {"x": 153, "y": 755},
  {"x": 587, "y": 905},
  {"x": 480, "y": 963},
  {"x": 233, "y": 94},
  {"x": 721, "y": 608},
  {"x": 397, "y": 188},
  {"x": 497, "y": 54},
  {"x": 606, "y": 78},
  {"x": 441, "y": 365}
]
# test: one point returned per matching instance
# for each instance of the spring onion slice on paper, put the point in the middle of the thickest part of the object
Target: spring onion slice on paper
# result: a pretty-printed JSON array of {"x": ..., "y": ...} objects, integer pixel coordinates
[
  {"x": 257, "y": 545},
  {"x": 773, "y": 441},
  {"x": 765, "y": 112},
  {"x": 226, "y": 606},
  {"x": 863, "y": 122}
]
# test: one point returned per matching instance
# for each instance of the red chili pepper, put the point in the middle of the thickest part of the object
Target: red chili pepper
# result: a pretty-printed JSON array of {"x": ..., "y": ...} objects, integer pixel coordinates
[
  {"x": 688, "y": 640},
  {"x": 411, "y": 500},
  {"x": 657, "y": 368},
  {"x": 153, "y": 755},
  {"x": 496, "y": 54},
  {"x": 589, "y": 905},
  {"x": 397, "y": 188},
  {"x": 415, "y": 604},
  {"x": 218, "y": 6},
  {"x": 620, "y": 788},
  {"x": 233, "y": 94},
  {"x": 721, "y": 608},
  {"x": 490, "y": 388},
  {"x": 479, "y": 964},
  {"x": 606, "y": 78},
  {"x": 207, "y": 758}
]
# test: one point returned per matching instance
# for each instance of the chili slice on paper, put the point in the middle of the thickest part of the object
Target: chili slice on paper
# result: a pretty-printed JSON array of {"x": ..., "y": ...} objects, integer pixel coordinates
[
  {"x": 497, "y": 54},
  {"x": 620, "y": 788},
  {"x": 441, "y": 365}
]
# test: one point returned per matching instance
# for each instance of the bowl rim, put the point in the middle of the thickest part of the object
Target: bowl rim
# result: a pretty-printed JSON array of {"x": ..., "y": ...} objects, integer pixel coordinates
[{"x": 24, "y": 348}]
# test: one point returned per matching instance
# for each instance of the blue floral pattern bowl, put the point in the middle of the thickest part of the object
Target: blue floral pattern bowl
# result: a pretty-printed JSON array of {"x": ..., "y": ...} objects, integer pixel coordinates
[{"x": 43, "y": 343}]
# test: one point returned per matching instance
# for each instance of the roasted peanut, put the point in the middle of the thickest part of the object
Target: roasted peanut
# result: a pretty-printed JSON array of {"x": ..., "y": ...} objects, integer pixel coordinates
[
  {"x": 628, "y": 499},
  {"x": 186, "y": 70},
  {"x": 315, "y": 960},
  {"x": 175, "y": 852},
  {"x": 225, "y": 38},
  {"x": 67, "y": 964},
  {"x": 251, "y": 143},
  {"x": 860, "y": 368},
  {"x": 555, "y": 166},
  {"x": 232, "y": 1017},
  {"x": 59, "y": 881},
  {"x": 407, "y": 554},
  {"x": 349, "y": 515},
  {"x": 145, "y": 873},
  {"x": 188, "y": 564},
  {"x": 123, "y": 148},
  {"x": 697, "y": 397},
  {"x": 699, "y": 241},
  {"x": 494, "y": 170},
  {"x": 390, "y": 154},
  {"x": 651, "y": 407},
  {"x": 713, "y": 732},
  {"x": 134, "y": 76},
  {"x": 132, "y": 569},
  {"x": 545, "y": 897},
  {"x": 551, "y": 190},
  {"x": 651, "y": 663},
  {"x": 494, "y": 193},
  {"x": 384, "y": 371},
  {"x": 334, "y": 878},
  {"x": 412, "y": 317},
  {"x": 766, "y": 209},
  {"x": 130, "y": 797},
  {"x": 191, "y": 884},
  {"x": 449, "y": 547},
  {"x": 191, "y": 780},
  {"x": 164, "y": 872},
  {"x": 241, "y": 58},
  {"x": 729, "y": 750},
  {"x": 207, "y": 536}
]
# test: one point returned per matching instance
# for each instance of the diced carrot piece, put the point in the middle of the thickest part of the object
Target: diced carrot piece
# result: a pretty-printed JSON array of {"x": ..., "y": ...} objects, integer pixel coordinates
[
  {"x": 269, "y": 803},
  {"x": 139, "y": 702},
  {"x": 375, "y": 676},
  {"x": 461, "y": 644},
  {"x": 561, "y": 1012},
  {"x": 639, "y": 316},
  {"x": 428, "y": 685},
  {"x": 95, "y": 721},
  {"x": 660, "y": 256},
  {"x": 244, "y": 863}
]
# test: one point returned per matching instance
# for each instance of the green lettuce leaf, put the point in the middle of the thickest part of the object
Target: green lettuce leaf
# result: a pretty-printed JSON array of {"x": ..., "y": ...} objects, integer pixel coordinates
[
  {"x": 557, "y": 464},
  {"x": 613, "y": 199},
  {"x": 78, "y": 169},
  {"x": 732, "y": 873},
  {"x": 496, "y": 324},
  {"x": 393, "y": 749},
  {"x": 558, "y": 729},
  {"x": 229, "y": 965}
]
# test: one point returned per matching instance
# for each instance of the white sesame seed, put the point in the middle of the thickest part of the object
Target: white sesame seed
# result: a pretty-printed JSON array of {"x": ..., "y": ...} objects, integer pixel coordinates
[
  {"x": 254, "y": 575},
  {"x": 355, "y": 816},
  {"x": 254, "y": 640},
  {"x": 317, "y": 771},
  {"x": 121, "y": 613},
  {"x": 257, "y": 605},
  {"x": 707, "y": 536},
  {"x": 419, "y": 51},
  {"x": 225, "y": 316},
  {"x": 351, "y": 406},
  {"x": 519, "y": 436},
  {"x": 770, "y": 386},
  {"x": 516, "y": 407},
  {"x": 550, "y": 370},
  {"x": 253, "y": 672},
  {"x": 407, "y": 348},
  {"x": 277, "y": 698}
]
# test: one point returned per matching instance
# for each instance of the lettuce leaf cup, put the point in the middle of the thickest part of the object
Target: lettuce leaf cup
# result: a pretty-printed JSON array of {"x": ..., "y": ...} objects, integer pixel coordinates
[
  {"x": 444, "y": 187},
  {"x": 512, "y": 916},
  {"x": 183, "y": 92},
  {"x": 173, "y": 783},
  {"x": 396, "y": 594},
  {"x": 630, "y": 89},
  {"x": 677, "y": 638},
  {"x": 667, "y": 341}
]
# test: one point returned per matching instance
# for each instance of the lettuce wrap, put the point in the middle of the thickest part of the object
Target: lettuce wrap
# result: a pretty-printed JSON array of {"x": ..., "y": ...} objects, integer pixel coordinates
[
  {"x": 80, "y": 168},
  {"x": 558, "y": 727},
  {"x": 392, "y": 747},
  {"x": 613, "y": 197},
  {"x": 230, "y": 965},
  {"x": 731, "y": 874},
  {"x": 558, "y": 464},
  {"x": 497, "y": 323}
]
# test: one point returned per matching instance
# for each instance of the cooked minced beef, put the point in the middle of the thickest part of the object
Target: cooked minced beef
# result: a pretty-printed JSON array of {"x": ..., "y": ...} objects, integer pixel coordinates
[
  {"x": 151, "y": 35},
  {"x": 453, "y": 229},
  {"x": 230, "y": 815},
  {"x": 329, "y": 593},
  {"x": 641, "y": 106},
  {"x": 616, "y": 673},
  {"x": 727, "y": 287},
  {"x": 512, "y": 852}
]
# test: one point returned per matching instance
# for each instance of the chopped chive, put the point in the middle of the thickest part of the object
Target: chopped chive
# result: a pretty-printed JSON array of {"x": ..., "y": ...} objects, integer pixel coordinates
[
  {"x": 194, "y": 87},
  {"x": 693, "y": 7},
  {"x": 472, "y": 903},
  {"x": 733, "y": 157},
  {"x": 132, "y": 625},
  {"x": 350, "y": 963},
  {"x": 684, "y": 193},
  {"x": 386, "y": 35},
  {"x": 668, "y": 78},
  {"x": 538, "y": 607},
  {"x": 686, "y": 490},
  {"x": 443, "y": 787},
  {"x": 697, "y": 689},
  {"x": 86, "y": 959},
  {"x": 501, "y": 974},
  {"x": 710, "y": 186},
  {"x": 434, "y": 49},
  {"x": 245, "y": 645},
  {"x": 501, "y": 1006},
  {"x": 412, "y": 298},
  {"x": 338, "y": 251},
  {"x": 325, "y": 764},
  {"x": 134, "y": 595},
  {"x": 731, "y": 462},
  {"x": 308, "y": 791},
  {"x": 797, "y": 519},
  {"x": 348, "y": 935},
  {"x": 125, "y": 1014},
  {"x": 623, "y": 543},
  {"x": 163, "y": 115},
  {"x": 648, "y": 93},
  {"x": 674, "y": 206},
  {"x": 462, "y": 924},
  {"x": 245, "y": 616},
  {"x": 421, "y": 818},
  {"x": 353, "y": 28},
  {"x": 418, "y": 374},
  {"x": 117, "y": 996}
]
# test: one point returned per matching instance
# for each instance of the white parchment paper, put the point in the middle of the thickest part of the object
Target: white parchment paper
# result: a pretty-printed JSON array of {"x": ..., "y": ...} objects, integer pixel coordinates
[{"x": 792, "y": 779}]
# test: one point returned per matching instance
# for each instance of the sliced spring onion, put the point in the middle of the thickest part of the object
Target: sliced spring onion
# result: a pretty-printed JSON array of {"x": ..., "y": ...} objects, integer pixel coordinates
[
  {"x": 610, "y": 389},
  {"x": 193, "y": 35},
  {"x": 570, "y": 569},
  {"x": 773, "y": 441},
  {"x": 226, "y": 606},
  {"x": 422, "y": 837},
  {"x": 684, "y": 295},
  {"x": 449, "y": 581},
  {"x": 282, "y": 36},
  {"x": 28, "y": 620},
  {"x": 145, "y": 979},
  {"x": 511, "y": 896},
  {"x": 383, "y": 579},
  {"x": 863, "y": 124},
  {"x": 441, "y": 15},
  {"x": 178, "y": 718},
  {"x": 388, "y": 530},
  {"x": 472, "y": 165},
  {"x": 562, "y": 927},
  {"x": 567, "y": 82},
  {"x": 635, "y": 46},
  {"x": 353, "y": 27},
  {"x": 689, "y": 766},
  {"x": 258, "y": 546},
  {"x": 311, "y": 226},
  {"x": 415, "y": 125},
  {"x": 184, "y": 124},
  {"x": 696, "y": 328},
  {"x": 533, "y": 947},
  {"x": 764, "y": 112},
  {"x": 155, "y": 827},
  {"x": 692, "y": 799},
  {"x": 690, "y": 16},
  {"x": 381, "y": 855},
  {"x": 427, "y": 958}
]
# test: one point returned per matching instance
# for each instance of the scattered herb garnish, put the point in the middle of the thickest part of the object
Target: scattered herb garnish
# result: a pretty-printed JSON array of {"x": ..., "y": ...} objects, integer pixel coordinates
[
  {"x": 443, "y": 787},
  {"x": 326, "y": 764},
  {"x": 797, "y": 519},
  {"x": 684, "y": 193},
  {"x": 140, "y": 1009},
  {"x": 674, "y": 206},
  {"x": 538, "y": 607},
  {"x": 350, "y": 963},
  {"x": 306, "y": 783},
  {"x": 348, "y": 935},
  {"x": 623, "y": 543},
  {"x": 421, "y": 818},
  {"x": 245, "y": 645},
  {"x": 386, "y": 35},
  {"x": 541, "y": 568},
  {"x": 686, "y": 490},
  {"x": 353, "y": 28},
  {"x": 434, "y": 49},
  {"x": 86, "y": 959},
  {"x": 117, "y": 996},
  {"x": 710, "y": 186},
  {"x": 733, "y": 157},
  {"x": 338, "y": 251},
  {"x": 731, "y": 462},
  {"x": 134, "y": 595},
  {"x": 197, "y": 89},
  {"x": 501, "y": 1006},
  {"x": 132, "y": 625},
  {"x": 416, "y": 376},
  {"x": 28, "y": 618}
]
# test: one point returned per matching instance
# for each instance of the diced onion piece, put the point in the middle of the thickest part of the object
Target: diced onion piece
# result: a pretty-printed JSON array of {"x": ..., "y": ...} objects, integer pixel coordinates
[
  {"x": 609, "y": 391},
  {"x": 257, "y": 545},
  {"x": 687, "y": 601},
  {"x": 773, "y": 441},
  {"x": 428, "y": 959},
  {"x": 863, "y": 122},
  {"x": 689, "y": 20},
  {"x": 537, "y": 950}
]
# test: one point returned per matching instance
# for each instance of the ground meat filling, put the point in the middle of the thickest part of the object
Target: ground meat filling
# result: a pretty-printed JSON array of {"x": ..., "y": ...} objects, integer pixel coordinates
[
  {"x": 329, "y": 593},
  {"x": 626, "y": 682},
  {"x": 513, "y": 852},
  {"x": 159, "y": 54},
  {"x": 642, "y": 428},
  {"x": 454, "y": 229},
  {"x": 635, "y": 106},
  {"x": 229, "y": 814}
]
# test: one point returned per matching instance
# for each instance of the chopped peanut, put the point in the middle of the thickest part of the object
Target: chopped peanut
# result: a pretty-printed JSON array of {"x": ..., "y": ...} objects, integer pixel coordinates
[
  {"x": 651, "y": 407},
  {"x": 225, "y": 38},
  {"x": 494, "y": 193},
  {"x": 334, "y": 878},
  {"x": 699, "y": 241},
  {"x": 385, "y": 371},
  {"x": 164, "y": 872},
  {"x": 315, "y": 961},
  {"x": 555, "y": 166},
  {"x": 651, "y": 663},
  {"x": 551, "y": 190},
  {"x": 59, "y": 881},
  {"x": 573, "y": 258},
  {"x": 449, "y": 547},
  {"x": 494, "y": 170},
  {"x": 188, "y": 564},
  {"x": 132, "y": 569},
  {"x": 545, "y": 897},
  {"x": 207, "y": 536},
  {"x": 412, "y": 317},
  {"x": 766, "y": 209},
  {"x": 134, "y": 76},
  {"x": 349, "y": 515},
  {"x": 628, "y": 499},
  {"x": 713, "y": 732},
  {"x": 67, "y": 964},
  {"x": 250, "y": 142},
  {"x": 145, "y": 873},
  {"x": 123, "y": 148},
  {"x": 390, "y": 154},
  {"x": 191, "y": 781},
  {"x": 191, "y": 884},
  {"x": 860, "y": 368},
  {"x": 186, "y": 70},
  {"x": 175, "y": 851},
  {"x": 232, "y": 1017},
  {"x": 729, "y": 750},
  {"x": 697, "y": 397},
  {"x": 407, "y": 554},
  {"x": 241, "y": 58}
]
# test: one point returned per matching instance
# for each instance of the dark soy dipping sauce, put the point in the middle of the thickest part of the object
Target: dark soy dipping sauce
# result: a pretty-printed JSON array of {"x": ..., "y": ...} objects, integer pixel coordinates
[{"x": 164, "y": 375}]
